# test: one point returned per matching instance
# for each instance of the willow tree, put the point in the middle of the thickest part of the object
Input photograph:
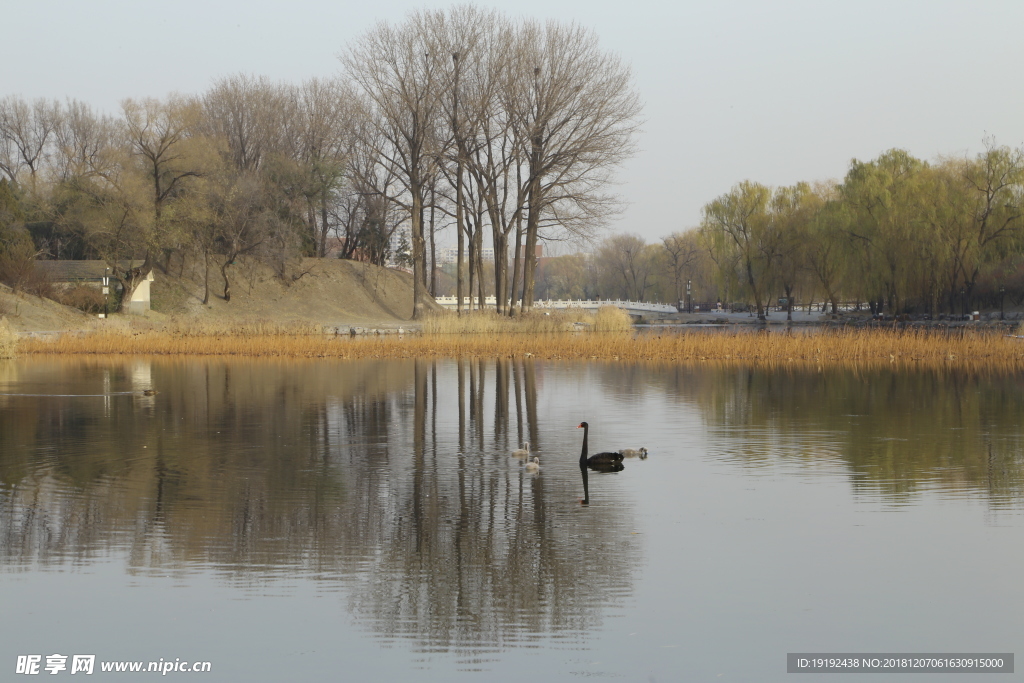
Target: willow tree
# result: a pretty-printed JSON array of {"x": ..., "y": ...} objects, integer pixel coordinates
[
  {"x": 887, "y": 225},
  {"x": 740, "y": 236},
  {"x": 793, "y": 212},
  {"x": 826, "y": 243}
]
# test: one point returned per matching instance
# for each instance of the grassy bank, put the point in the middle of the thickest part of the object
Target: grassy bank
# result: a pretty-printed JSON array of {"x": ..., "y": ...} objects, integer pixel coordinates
[{"x": 972, "y": 348}]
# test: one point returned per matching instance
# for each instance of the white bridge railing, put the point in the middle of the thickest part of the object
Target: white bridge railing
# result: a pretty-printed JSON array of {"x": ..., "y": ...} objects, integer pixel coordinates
[{"x": 636, "y": 306}]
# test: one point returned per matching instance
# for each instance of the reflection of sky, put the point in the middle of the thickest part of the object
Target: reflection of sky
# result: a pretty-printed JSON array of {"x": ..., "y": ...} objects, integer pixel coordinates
[{"x": 748, "y": 548}]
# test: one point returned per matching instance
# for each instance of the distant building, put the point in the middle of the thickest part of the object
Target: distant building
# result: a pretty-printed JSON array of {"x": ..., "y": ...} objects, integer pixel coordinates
[
  {"x": 538, "y": 251},
  {"x": 451, "y": 254},
  {"x": 448, "y": 255},
  {"x": 396, "y": 242}
]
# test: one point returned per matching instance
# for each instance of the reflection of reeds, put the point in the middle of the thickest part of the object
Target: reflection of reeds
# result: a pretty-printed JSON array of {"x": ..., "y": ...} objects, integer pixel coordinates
[{"x": 888, "y": 347}]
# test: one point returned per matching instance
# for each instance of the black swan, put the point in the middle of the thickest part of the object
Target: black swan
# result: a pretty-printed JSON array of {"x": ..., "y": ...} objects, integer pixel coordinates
[{"x": 598, "y": 461}]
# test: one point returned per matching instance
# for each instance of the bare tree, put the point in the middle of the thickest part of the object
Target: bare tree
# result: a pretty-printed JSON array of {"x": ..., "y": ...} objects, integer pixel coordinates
[
  {"x": 576, "y": 108},
  {"x": 364, "y": 217},
  {"x": 683, "y": 251},
  {"x": 249, "y": 113},
  {"x": 628, "y": 264},
  {"x": 399, "y": 70},
  {"x": 484, "y": 133},
  {"x": 322, "y": 142},
  {"x": 25, "y": 131},
  {"x": 80, "y": 138}
]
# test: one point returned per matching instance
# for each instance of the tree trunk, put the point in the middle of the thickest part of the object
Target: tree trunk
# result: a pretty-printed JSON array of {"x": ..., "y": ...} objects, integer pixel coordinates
[
  {"x": 529, "y": 262},
  {"x": 459, "y": 227},
  {"x": 459, "y": 218},
  {"x": 753, "y": 290},
  {"x": 206, "y": 276},
  {"x": 532, "y": 227},
  {"x": 471, "y": 265},
  {"x": 500, "y": 263},
  {"x": 433, "y": 249},
  {"x": 227, "y": 282},
  {"x": 418, "y": 251},
  {"x": 131, "y": 280},
  {"x": 478, "y": 247},
  {"x": 322, "y": 251},
  {"x": 517, "y": 265}
]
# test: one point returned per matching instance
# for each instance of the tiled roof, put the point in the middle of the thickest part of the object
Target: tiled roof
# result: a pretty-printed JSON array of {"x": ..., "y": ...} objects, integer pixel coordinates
[{"x": 63, "y": 271}]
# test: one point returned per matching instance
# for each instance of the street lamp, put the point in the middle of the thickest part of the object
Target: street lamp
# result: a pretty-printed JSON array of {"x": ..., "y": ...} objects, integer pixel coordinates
[
  {"x": 1002, "y": 293},
  {"x": 963, "y": 304},
  {"x": 106, "y": 293},
  {"x": 689, "y": 298}
]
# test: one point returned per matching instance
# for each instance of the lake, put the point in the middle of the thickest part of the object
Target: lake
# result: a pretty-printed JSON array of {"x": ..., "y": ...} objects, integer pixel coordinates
[{"x": 364, "y": 520}]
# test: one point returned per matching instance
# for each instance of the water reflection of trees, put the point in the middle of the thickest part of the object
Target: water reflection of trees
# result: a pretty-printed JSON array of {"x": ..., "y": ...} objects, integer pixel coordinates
[
  {"x": 894, "y": 432},
  {"x": 393, "y": 477}
]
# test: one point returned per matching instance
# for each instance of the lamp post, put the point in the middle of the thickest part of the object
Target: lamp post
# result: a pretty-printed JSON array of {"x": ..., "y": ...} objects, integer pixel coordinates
[
  {"x": 106, "y": 293},
  {"x": 689, "y": 298},
  {"x": 963, "y": 304},
  {"x": 1002, "y": 293}
]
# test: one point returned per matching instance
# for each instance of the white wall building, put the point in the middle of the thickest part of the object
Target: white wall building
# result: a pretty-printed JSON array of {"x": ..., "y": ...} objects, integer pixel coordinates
[{"x": 451, "y": 254}]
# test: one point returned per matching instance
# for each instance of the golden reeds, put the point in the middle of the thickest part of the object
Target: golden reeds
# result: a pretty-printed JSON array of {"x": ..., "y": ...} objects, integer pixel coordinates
[
  {"x": 606, "y": 319},
  {"x": 913, "y": 347},
  {"x": 8, "y": 339}
]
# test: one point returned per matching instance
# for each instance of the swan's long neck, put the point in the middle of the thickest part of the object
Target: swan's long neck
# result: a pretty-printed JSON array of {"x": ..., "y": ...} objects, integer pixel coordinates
[{"x": 583, "y": 455}]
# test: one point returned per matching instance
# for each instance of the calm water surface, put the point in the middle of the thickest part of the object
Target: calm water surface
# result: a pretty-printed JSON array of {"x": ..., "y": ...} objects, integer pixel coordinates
[{"x": 365, "y": 521}]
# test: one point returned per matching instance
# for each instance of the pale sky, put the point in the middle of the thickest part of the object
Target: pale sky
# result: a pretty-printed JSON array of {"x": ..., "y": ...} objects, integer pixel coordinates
[{"x": 775, "y": 91}]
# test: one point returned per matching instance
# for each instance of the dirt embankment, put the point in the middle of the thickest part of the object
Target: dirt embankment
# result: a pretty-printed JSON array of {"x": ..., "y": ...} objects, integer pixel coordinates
[
  {"x": 322, "y": 291},
  {"x": 28, "y": 313}
]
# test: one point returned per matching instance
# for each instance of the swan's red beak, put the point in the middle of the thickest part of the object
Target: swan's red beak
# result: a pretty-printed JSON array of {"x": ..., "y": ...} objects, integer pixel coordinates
[{"x": 579, "y": 426}]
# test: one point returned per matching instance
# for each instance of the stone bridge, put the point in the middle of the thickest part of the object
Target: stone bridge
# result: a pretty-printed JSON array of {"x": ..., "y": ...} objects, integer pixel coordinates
[{"x": 632, "y": 307}]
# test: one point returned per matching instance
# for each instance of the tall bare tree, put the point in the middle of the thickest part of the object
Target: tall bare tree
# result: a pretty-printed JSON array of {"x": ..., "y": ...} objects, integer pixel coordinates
[
  {"x": 250, "y": 114},
  {"x": 577, "y": 111},
  {"x": 683, "y": 251},
  {"x": 628, "y": 265},
  {"x": 399, "y": 70},
  {"x": 26, "y": 129}
]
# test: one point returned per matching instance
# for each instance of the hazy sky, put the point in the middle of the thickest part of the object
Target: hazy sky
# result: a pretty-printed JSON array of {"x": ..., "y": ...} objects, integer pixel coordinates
[{"x": 776, "y": 92}]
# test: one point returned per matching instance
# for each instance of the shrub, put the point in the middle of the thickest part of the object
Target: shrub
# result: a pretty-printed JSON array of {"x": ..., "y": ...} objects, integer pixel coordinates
[{"x": 82, "y": 297}]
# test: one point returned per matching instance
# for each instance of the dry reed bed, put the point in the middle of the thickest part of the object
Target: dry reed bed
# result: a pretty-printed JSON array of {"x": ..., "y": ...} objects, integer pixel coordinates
[
  {"x": 8, "y": 339},
  {"x": 903, "y": 348},
  {"x": 604, "y": 319}
]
